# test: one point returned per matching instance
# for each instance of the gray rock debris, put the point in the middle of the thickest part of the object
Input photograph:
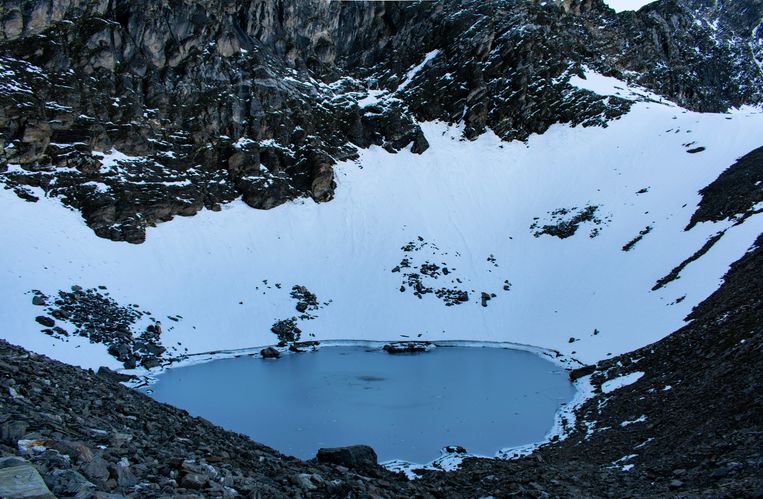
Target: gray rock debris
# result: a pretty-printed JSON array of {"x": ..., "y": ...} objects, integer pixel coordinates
[{"x": 19, "y": 479}]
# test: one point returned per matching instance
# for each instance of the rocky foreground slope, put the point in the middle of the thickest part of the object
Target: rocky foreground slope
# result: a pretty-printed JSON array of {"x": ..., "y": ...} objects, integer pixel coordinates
[
  {"x": 213, "y": 101},
  {"x": 689, "y": 426}
]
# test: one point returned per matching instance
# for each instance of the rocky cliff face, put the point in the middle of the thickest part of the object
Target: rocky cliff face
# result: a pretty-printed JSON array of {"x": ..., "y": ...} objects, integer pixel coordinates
[
  {"x": 740, "y": 20},
  {"x": 135, "y": 112}
]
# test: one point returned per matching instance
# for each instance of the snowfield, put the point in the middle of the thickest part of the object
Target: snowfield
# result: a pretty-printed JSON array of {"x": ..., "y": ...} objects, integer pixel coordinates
[
  {"x": 623, "y": 5},
  {"x": 465, "y": 205}
]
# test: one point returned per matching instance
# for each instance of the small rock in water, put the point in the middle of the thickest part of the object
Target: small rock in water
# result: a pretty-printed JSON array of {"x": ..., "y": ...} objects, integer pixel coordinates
[
  {"x": 270, "y": 353},
  {"x": 407, "y": 347},
  {"x": 308, "y": 343}
]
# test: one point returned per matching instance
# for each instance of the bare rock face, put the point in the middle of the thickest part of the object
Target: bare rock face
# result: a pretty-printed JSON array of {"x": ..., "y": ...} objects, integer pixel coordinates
[
  {"x": 323, "y": 185},
  {"x": 353, "y": 456},
  {"x": 735, "y": 193},
  {"x": 136, "y": 112}
]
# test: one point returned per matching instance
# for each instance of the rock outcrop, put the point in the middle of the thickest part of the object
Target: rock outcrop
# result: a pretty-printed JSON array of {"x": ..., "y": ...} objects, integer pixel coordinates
[{"x": 136, "y": 112}]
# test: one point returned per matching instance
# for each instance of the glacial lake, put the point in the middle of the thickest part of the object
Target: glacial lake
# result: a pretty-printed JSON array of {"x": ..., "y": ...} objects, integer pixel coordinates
[{"x": 405, "y": 406}]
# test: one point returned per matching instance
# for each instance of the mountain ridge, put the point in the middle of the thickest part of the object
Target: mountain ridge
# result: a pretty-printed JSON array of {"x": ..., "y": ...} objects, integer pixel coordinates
[{"x": 246, "y": 99}]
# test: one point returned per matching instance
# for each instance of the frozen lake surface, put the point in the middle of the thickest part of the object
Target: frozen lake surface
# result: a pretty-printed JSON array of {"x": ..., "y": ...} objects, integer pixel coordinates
[{"x": 406, "y": 406}]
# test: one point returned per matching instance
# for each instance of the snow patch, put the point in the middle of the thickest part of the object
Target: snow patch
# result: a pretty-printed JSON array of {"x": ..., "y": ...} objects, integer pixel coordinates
[
  {"x": 619, "y": 382},
  {"x": 624, "y": 5},
  {"x": 111, "y": 159},
  {"x": 373, "y": 97},
  {"x": 411, "y": 74},
  {"x": 620, "y": 462},
  {"x": 640, "y": 419},
  {"x": 609, "y": 86},
  {"x": 98, "y": 186}
]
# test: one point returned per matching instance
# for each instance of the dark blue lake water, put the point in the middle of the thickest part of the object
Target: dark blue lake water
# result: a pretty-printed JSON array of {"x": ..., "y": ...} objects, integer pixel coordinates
[{"x": 406, "y": 406}]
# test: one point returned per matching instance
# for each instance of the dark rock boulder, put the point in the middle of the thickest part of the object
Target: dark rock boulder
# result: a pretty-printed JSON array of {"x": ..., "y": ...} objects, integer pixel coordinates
[
  {"x": 353, "y": 456},
  {"x": 67, "y": 483},
  {"x": 270, "y": 353},
  {"x": 19, "y": 478},
  {"x": 12, "y": 431},
  {"x": 96, "y": 470},
  {"x": 407, "y": 347},
  {"x": 194, "y": 481},
  {"x": 580, "y": 372},
  {"x": 454, "y": 449},
  {"x": 307, "y": 344},
  {"x": 113, "y": 375},
  {"x": 484, "y": 298},
  {"x": 45, "y": 321}
]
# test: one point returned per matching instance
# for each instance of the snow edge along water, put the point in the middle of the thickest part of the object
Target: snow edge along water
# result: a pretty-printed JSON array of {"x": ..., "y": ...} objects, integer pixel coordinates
[{"x": 564, "y": 417}]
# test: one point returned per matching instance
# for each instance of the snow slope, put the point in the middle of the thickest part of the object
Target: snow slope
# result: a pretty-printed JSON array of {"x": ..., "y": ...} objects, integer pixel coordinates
[
  {"x": 472, "y": 203},
  {"x": 621, "y": 5}
]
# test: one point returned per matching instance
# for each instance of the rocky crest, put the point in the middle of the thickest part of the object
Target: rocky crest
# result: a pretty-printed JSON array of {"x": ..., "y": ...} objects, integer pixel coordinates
[{"x": 136, "y": 112}]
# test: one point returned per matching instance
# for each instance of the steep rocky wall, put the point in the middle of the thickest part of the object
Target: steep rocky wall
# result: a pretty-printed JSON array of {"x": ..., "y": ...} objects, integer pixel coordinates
[
  {"x": 177, "y": 86},
  {"x": 213, "y": 101}
]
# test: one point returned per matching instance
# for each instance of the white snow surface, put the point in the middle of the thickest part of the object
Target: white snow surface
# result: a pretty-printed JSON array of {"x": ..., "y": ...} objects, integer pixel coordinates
[
  {"x": 639, "y": 419},
  {"x": 470, "y": 199},
  {"x": 411, "y": 74},
  {"x": 607, "y": 85},
  {"x": 622, "y": 5},
  {"x": 621, "y": 381}
]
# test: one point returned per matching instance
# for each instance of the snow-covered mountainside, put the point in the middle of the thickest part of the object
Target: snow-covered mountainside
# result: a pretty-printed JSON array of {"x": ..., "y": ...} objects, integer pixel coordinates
[
  {"x": 259, "y": 99},
  {"x": 189, "y": 180},
  {"x": 513, "y": 171},
  {"x": 557, "y": 242}
]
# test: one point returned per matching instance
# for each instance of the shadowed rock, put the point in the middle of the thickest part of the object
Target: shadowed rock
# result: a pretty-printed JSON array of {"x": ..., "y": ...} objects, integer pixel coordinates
[{"x": 353, "y": 456}]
